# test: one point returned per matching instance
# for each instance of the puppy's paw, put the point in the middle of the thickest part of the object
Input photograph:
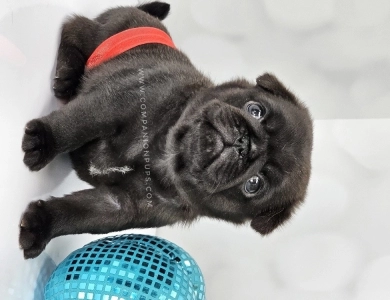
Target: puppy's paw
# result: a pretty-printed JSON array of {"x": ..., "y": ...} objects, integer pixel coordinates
[
  {"x": 69, "y": 70},
  {"x": 34, "y": 229},
  {"x": 38, "y": 145},
  {"x": 66, "y": 83}
]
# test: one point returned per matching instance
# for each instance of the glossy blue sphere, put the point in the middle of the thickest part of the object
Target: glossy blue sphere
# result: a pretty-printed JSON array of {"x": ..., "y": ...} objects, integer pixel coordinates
[{"x": 136, "y": 267}]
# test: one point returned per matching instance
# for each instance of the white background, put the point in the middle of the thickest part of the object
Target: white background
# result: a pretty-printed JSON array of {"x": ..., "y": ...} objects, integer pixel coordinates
[{"x": 334, "y": 54}]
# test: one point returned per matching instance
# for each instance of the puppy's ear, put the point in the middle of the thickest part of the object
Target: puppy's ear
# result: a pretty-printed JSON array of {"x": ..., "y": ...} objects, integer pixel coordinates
[
  {"x": 266, "y": 221},
  {"x": 157, "y": 9},
  {"x": 238, "y": 83},
  {"x": 271, "y": 84}
]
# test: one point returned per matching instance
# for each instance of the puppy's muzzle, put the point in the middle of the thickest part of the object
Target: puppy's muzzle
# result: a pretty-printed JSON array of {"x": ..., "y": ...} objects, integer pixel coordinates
[{"x": 242, "y": 146}]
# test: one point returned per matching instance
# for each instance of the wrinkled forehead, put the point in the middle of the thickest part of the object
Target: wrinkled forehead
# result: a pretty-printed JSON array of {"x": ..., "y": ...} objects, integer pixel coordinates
[
  {"x": 292, "y": 115},
  {"x": 290, "y": 120}
]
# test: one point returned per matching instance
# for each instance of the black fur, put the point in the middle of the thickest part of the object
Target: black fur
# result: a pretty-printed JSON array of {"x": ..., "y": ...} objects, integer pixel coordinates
[{"x": 160, "y": 142}]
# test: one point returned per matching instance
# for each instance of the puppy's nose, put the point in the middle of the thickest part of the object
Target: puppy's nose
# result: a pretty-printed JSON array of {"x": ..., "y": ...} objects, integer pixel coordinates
[{"x": 242, "y": 145}]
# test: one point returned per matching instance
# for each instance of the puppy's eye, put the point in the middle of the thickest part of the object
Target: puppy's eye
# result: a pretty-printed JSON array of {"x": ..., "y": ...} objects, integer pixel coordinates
[
  {"x": 256, "y": 110},
  {"x": 252, "y": 185}
]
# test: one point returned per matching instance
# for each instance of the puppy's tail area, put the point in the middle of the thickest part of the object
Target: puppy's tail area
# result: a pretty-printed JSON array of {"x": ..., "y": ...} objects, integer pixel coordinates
[{"x": 156, "y": 9}]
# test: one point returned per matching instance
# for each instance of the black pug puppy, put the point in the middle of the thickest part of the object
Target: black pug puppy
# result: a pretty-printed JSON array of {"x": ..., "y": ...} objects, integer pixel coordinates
[{"x": 160, "y": 142}]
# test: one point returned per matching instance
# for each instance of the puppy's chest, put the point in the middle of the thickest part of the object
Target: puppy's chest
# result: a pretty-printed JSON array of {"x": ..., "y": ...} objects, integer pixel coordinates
[
  {"x": 134, "y": 167},
  {"x": 134, "y": 148},
  {"x": 126, "y": 154}
]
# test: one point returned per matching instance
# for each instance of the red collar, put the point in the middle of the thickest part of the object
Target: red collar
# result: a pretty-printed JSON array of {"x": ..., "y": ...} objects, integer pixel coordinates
[{"x": 126, "y": 40}]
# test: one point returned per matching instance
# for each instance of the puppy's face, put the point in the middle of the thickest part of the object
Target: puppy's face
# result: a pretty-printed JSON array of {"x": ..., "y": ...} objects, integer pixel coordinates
[{"x": 244, "y": 151}]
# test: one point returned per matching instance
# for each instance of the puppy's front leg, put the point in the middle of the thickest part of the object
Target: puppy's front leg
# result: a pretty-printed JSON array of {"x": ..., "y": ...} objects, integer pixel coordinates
[
  {"x": 99, "y": 210},
  {"x": 69, "y": 128}
]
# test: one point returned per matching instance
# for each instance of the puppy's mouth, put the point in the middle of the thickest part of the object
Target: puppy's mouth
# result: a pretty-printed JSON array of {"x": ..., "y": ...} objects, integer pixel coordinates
[{"x": 213, "y": 154}]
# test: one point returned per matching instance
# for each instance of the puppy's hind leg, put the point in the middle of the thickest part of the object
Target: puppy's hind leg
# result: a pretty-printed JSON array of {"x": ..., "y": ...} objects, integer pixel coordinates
[{"x": 78, "y": 41}]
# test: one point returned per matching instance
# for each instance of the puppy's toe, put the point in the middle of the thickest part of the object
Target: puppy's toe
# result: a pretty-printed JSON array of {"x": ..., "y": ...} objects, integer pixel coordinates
[
  {"x": 34, "y": 229},
  {"x": 65, "y": 89},
  {"x": 66, "y": 82},
  {"x": 38, "y": 145}
]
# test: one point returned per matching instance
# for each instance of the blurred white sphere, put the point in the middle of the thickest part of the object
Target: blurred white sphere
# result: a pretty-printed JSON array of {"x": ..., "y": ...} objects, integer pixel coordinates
[
  {"x": 346, "y": 48},
  {"x": 370, "y": 91},
  {"x": 222, "y": 16},
  {"x": 374, "y": 282},
  {"x": 317, "y": 262},
  {"x": 291, "y": 294},
  {"x": 252, "y": 277},
  {"x": 300, "y": 14},
  {"x": 363, "y": 13},
  {"x": 327, "y": 200},
  {"x": 367, "y": 141},
  {"x": 215, "y": 56}
]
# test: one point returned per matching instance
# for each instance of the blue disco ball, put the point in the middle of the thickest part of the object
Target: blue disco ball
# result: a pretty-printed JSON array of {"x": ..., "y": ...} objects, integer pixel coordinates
[{"x": 136, "y": 267}]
